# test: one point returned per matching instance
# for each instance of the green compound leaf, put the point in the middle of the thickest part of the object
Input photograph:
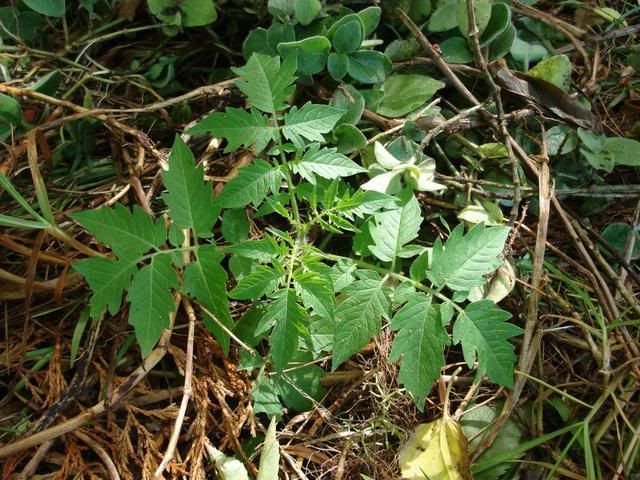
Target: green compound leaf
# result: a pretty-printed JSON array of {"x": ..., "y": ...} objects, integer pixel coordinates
[
  {"x": 204, "y": 279},
  {"x": 250, "y": 186},
  {"x": 420, "y": 342},
  {"x": 190, "y": 198},
  {"x": 464, "y": 259},
  {"x": 262, "y": 250},
  {"x": 260, "y": 281},
  {"x": 151, "y": 301},
  {"x": 310, "y": 122},
  {"x": 393, "y": 229},
  {"x": 358, "y": 318},
  {"x": 108, "y": 279},
  {"x": 484, "y": 332},
  {"x": 327, "y": 163},
  {"x": 289, "y": 322},
  {"x": 266, "y": 82},
  {"x": 317, "y": 293},
  {"x": 239, "y": 127},
  {"x": 128, "y": 233}
]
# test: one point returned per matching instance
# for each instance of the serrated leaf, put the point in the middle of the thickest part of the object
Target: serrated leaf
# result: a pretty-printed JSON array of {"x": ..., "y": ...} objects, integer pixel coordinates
[
  {"x": 151, "y": 301},
  {"x": 265, "y": 397},
  {"x": 239, "y": 127},
  {"x": 190, "y": 198},
  {"x": 393, "y": 229},
  {"x": 250, "y": 186},
  {"x": 464, "y": 259},
  {"x": 262, "y": 250},
  {"x": 301, "y": 384},
  {"x": 128, "y": 233},
  {"x": 259, "y": 282},
  {"x": 204, "y": 279},
  {"x": 317, "y": 293},
  {"x": 483, "y": 331},
  {"x": 289, "y": 323},
  {"x": 420, "y": 342},
  {"x": 266, "y": 82},
  {"x": 108, "y": 279},
  {"x": 310, "y": 122},
  {"x": 327, "y": 163},
  {"x": 358, "y": 318}
]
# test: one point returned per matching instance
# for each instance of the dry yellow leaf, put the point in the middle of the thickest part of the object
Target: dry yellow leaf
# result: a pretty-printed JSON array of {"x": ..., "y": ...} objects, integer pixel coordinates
[{"x": 436, "y": 451}]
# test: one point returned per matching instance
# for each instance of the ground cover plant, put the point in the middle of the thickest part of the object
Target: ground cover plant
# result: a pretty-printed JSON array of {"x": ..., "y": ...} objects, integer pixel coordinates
[{"x": 304, "y": 239}]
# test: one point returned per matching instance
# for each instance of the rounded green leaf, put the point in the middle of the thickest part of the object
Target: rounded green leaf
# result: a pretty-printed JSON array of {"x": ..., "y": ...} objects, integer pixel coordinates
[
  {"x": 306, "y": 10},
  {"x": 370, "y": 17},
  {"x": 483, "y": 14},
  {"x": 348, "y": 37},
  {"x": 498, "y": 23},
  {"x": 405, "y": 93},
  {"x": 444, "y": 18},
  {"x": 280, "y": 33},
  {"x": 197, "y": 13},
  {"x": 50, "y": 8},
  {"x": 456, "y": 50},
  {"x": 256, "y": 42},
  {"x": 555, "y": 70},
  {"x": 402, "y": 49},
  {"x": 351, "y": 101},
  {"x": 342, "y": 21},
  {"x": 10, "y": 111},
  {"x": 348, "y": 138},
  {"x": 369, "y": 66},
  {"x": 25, "y": 25},
  {"x": 502, "y": 45},
  {"x": 312, "y": 53},
  {"x": 624, "y": 151},
  {"x": 338, "y": 65},
  {"x": 526, "y": 52}
]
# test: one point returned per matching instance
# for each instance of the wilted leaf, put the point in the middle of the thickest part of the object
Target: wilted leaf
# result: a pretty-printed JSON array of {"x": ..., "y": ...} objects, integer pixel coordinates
[{"x": 436, "y": 451}]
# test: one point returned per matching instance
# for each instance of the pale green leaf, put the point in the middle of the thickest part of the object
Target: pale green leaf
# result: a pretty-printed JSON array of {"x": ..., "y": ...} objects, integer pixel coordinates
[
  {"x": 235, "y": 225},
  {"x": 190, "y": 198},
  {"x": 393, "y": 229},
  {"x": 327, "y": 163},
  {"x": 204, "y": 279},
  {"x": 128, "y": 233},
  {"x": 405, "y": 93},
  {"x": 289, "y": 324},
  {"x": 270, "y": 454},
  {"x": 151, "y": 301},
  {"x": 358, "y": 318},
  {"x": 464, "y": 260},
  {"x": 239, "y": 127},
  {"x": 266, "y": 82},
  {"x": 310, "y": 122},
  {"x": 250, "y": 186},
  {"x": 262, "y": 250},
  {"x": 484, "y": 333},
  {"x": 265, "y": 397},
  {"x": 316, "y": 291},
  {"x": 108, "y": 279},
  {"x": 260, "y": 281},
  {"x": 419, "y": 343}
]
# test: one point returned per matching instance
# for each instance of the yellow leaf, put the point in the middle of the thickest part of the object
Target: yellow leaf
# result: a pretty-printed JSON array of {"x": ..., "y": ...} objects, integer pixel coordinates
[{"x": 436, "y": 451}]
